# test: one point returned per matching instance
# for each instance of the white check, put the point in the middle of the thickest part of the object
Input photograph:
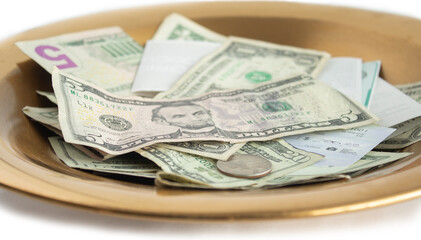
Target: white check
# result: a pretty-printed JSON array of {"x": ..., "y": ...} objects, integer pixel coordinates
[
  {"x": 392, "y": 106},
  {"x": 341, "y": 148},
  {"x": 344, "y": 75},
  {"x": 165, "y": 61}
]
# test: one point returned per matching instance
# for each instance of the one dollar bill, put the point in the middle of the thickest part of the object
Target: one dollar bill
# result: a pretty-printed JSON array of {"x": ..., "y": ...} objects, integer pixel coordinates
[{"x": 246, "y": 63}]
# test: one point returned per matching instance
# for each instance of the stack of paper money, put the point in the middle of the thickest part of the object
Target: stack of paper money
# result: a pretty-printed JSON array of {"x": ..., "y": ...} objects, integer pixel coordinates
[{"x": 193, "y": 108}]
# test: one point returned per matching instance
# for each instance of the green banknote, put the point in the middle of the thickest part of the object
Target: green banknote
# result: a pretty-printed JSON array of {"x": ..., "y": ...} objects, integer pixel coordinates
[
  {"x": 202, "y": 171},
  {"x": 373, "y": 160},
  {"x": 178, "y": 27},
  {"x": 404, "y": 139},
  {"x": 244, "y": 63},
  {"x": 74, "y": 158},
  {"x": 49, "y": 95},
  {"x": 92, "y": 117},
  {"x": 412, "y": 89},
  {"x": 179, "y": 178},
  {"x": 240, "y": 62},
  {"x": 49, "y": 118}
]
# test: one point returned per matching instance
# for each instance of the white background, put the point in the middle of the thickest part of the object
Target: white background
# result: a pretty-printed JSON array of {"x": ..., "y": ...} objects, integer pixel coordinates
[{"x": 23, "y": 217}]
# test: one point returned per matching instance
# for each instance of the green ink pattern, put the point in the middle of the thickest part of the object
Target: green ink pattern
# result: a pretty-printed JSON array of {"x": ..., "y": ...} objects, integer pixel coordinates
[
  {"x": 258, "y": 77},
  {"x": 181, "y": 32},
  {"x": 276, "y": 106}
]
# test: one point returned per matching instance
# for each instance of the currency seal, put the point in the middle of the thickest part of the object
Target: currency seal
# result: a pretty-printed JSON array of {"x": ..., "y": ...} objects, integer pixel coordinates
[
  {"x": 258, "y": 77},
  {"x": 276, "y": 106},
  {"x": 115, "y": 123}
]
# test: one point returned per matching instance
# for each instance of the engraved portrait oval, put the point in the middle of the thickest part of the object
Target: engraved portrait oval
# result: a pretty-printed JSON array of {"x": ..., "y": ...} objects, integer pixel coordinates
[{"x": 115, "y": 122}]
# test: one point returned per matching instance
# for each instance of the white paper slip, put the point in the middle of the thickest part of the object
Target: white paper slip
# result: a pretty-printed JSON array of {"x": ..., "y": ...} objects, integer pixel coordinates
[
  {"x": 370, "y": 74},
  {"x": 344, "y": 75},
  {"x": 340, "y": 148},
  {"x": 391, "y": 105},
  {"x": 165, "y": 61}
]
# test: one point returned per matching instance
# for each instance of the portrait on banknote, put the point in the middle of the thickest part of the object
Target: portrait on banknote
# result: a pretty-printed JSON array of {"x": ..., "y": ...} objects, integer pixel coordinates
[{"x": 192, "y": 119}]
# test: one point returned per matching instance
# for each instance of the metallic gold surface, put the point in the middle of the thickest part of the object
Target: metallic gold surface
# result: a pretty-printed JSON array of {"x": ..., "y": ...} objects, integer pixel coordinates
[{"x": 28, "y": 165}]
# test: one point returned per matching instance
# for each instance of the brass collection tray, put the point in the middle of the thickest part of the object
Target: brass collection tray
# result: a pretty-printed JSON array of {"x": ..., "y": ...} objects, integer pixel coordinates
[{"x": 28, "y": 164}]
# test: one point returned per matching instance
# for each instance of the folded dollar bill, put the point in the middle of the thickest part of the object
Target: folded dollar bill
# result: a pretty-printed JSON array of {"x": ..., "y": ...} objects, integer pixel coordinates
[
  {"x": 49, "y": 118},
  {"x": 129, "y": 164},
  {"x": 49, "y": 95},
  {"x": 185, "y": 179}
]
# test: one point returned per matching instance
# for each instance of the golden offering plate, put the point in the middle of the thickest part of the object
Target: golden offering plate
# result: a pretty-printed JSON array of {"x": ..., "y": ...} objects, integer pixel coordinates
[{"x": 28, "y": 164}]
